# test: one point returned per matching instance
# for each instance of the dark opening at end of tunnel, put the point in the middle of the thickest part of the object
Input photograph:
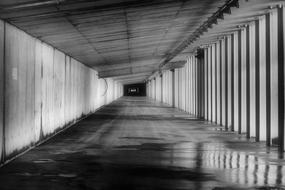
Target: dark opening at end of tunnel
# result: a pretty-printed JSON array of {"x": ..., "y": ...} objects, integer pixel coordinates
[{"x": 138, "y": 89}]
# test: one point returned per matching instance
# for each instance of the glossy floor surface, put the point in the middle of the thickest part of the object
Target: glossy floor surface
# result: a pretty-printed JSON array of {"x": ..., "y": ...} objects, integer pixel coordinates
[{"x": 136, "y": 143}]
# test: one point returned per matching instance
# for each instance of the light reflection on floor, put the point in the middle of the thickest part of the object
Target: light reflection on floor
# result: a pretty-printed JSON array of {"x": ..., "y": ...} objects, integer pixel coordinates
[
  {"x": 139, "y": 144},
  {"x": 241, "y": 168}
]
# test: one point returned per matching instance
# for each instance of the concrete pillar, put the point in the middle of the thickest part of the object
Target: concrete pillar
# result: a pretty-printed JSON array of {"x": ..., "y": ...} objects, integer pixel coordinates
[
  {"x": 161, "y": 88},
  {"x": 268, "y": 77},
  {"x": 176, "y": 88},
  {"x": 167, "y": 84},
  {"x": 162, "y": 77},
  {"x": 168, "y": 87},
  {"x": 173, "y": 87},
  {"x": 243, "y": 80},
  {"x": 195, "y": 84},
  {"x": 218, "y": 82},
  {"x": 187, "y": 85},
  {"x": 158, "y": 88},
  {"x": 206, "y": 89},
  {"x": 262, "y": 79},
  {"x": 167, "y": 91},
  {"x": 214, "y": 83},
  {"x": 236, "y": 86},
  {"x": 198, "y": 87},
  {"x": 252, "y": 80},
  {"x": 202, "y": 62},
  {"x": 180, "y": 88},
  {"x": 223, "y": 82},
  {"x": 170, "y": 93},
  {"x": 192, "y": 86},
  {"x": 191, "y": 92},
  {"x": 230, "y": 83},
  {"x": 210, "y": 84},
  {"x": 200, "y": 84},
  {"x": 183, "y": 90},
  {"x": 154, "y": 89},
  {"x": 273, "y": 19},
  {"x": 150, "y": 89}
]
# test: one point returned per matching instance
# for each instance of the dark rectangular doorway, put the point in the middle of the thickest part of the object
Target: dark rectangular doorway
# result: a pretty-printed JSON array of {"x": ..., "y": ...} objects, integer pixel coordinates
[{"x": 138, "y": 89}]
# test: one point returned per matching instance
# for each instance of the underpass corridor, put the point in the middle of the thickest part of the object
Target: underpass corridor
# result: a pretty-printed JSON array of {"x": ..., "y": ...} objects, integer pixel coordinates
[
  {"x": 139, "y": 143},
  {"x": 142, "y": 94}
]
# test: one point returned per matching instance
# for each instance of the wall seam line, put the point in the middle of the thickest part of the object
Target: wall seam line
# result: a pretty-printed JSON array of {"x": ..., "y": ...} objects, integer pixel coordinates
[{"x": 4, "y": 95}]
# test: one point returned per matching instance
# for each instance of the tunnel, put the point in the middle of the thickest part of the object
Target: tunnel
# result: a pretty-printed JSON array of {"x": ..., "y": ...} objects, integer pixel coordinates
[
  {"x": 142, "y": 94},
  {"x": 138, "y": 89}
]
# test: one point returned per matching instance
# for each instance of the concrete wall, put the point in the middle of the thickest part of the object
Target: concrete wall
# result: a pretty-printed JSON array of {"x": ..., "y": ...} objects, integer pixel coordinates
[
  {"x": 42, "y": 90},
  {"x": 2, "y": 83},
  {"x": 239, "y": 81}
]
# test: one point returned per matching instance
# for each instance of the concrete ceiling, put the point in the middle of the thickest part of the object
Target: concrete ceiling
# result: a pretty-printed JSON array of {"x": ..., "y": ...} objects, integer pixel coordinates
[
  {"x": 116, "y": 37},
  {"x": 123, "y": 39}
]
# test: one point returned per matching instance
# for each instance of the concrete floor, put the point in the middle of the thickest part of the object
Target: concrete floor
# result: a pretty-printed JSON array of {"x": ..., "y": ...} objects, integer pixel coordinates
[{"x": 136, "y": 143}]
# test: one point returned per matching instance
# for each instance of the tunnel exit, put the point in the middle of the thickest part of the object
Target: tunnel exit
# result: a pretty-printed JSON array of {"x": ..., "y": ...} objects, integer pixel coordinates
[{"x": 138, "y": 89}]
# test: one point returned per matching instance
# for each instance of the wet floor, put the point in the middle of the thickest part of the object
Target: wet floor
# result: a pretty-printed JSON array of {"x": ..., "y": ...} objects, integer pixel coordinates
[{"x": 136, "y": 143}]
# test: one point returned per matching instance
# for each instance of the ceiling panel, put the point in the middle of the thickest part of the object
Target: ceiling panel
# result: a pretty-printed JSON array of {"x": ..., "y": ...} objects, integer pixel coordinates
[{"x": 111, "y": 34}]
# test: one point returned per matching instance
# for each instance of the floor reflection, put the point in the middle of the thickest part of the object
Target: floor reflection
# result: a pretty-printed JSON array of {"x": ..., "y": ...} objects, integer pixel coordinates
[
  {"x": 133, "y": 145},
  {"x": 241, "y": 168}
]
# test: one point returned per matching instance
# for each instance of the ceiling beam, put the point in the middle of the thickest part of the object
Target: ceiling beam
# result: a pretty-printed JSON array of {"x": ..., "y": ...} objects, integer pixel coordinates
[
  {"x": 131, "y": 70},
  {"x": 73, "y": 7},
  {"x": 138, "y": 76},
  {"x": 138, "y": 62},
  {"x": 125, "y": 71},
  {"x": 173, "y": 65},
  {"x": 132, "y": 81},
  {"x": 31, "y": 5},
  {"x": 131, "y": 76}
]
